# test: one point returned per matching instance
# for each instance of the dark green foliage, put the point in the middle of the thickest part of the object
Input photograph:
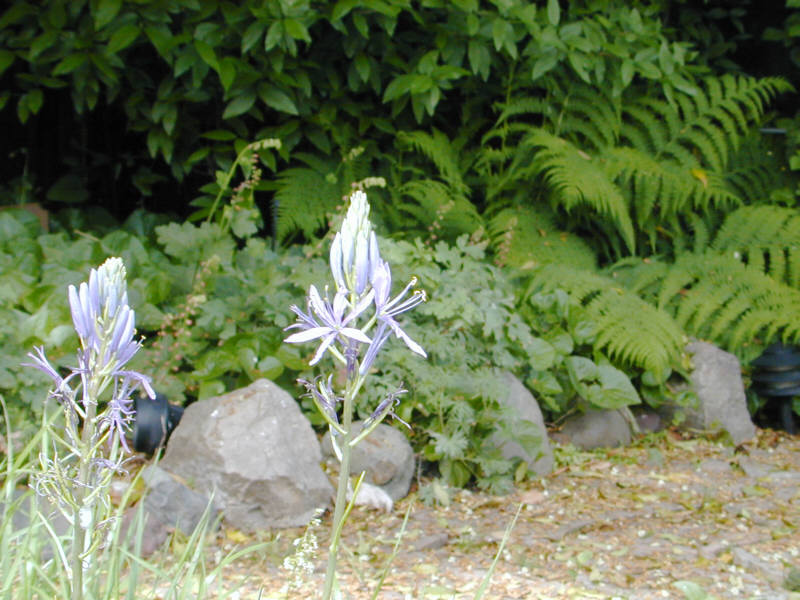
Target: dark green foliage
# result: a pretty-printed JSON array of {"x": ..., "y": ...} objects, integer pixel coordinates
[{"x": 628, "y": 329}]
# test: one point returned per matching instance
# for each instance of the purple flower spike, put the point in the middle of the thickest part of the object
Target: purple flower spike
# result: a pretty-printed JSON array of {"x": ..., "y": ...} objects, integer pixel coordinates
[{"x": 330, "y": 322}]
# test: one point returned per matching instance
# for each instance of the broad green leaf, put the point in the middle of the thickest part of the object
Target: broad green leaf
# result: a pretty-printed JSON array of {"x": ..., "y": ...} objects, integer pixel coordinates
[
  {"x": 278, "y": 100},
  {"x": 543, "y": 65},
  {"x": 252, "y": 35},
  {"x": 122, "y": 38},
  {"x": 227, "y": 72},
  {"x": 105, "y": 12},
  {"x": 239, "y": 105},
  {"x": 541, "y": 354},
  {"x": 207, "y": 53},
  {"x": 170, "y": 118},
  {"x": 362, "y": 66},
  {"x": 161, "y": 37},
  {"x": 41, "y": 43},
  {"x": 399, "y": 86},
  {"x": 580, "y": 369},
  {"x": 274, "y": 36},
  {"x": 479, "y": 58},
  {"x": 553, "y": 12},
  {"x": 297, "y": 30},
  {"x": 69, "y": 64},
  {"x": 626, "y": 72},
  {"x": 35, "y": 98},
  {"x": 343, "y": 7}
]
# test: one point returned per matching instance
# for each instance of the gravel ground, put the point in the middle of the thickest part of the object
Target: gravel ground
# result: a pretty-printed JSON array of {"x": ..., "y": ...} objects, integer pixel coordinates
[{"x": 648, "y": 521}]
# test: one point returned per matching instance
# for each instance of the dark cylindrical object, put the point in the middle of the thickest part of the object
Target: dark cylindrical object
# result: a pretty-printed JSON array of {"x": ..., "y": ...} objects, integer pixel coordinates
[
  {"x": 776, "y": 377},
  {"x": 153, "y": 422}
]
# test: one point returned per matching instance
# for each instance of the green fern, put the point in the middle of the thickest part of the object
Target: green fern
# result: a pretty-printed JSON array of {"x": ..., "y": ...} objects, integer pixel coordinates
[
  {"x": 525, "y": 237},
  {"x": 766, "y": 238},
  {"x": 629, "y": 329},
  {"x": 704, "y": 129},
  {"x": 644, "y": 165},
  {"x": 306, "y": 196},
  {"x": 718, "y": 297},
  {"x": 439, "y": 207},
  {"x": 302, "y": 201},
  {"x": 574, "y": 178},
  {"x": 440, "y": 150}
]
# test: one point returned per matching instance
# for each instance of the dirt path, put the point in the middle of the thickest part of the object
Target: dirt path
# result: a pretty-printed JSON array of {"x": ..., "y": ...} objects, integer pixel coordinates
[{"x": 626, "y": 523}]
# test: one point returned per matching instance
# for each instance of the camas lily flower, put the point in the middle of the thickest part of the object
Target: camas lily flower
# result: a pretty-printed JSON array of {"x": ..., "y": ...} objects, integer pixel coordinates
[
  {"x": 388, "y": 309},
  {"x": 354, "y": 252},
  {"x": 103, "y": 320},
  {"x": 327, "y": 321}
]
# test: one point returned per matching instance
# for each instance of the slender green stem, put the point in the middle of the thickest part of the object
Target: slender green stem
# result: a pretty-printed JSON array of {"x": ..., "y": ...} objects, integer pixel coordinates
[{"x": 341, "y": 491}]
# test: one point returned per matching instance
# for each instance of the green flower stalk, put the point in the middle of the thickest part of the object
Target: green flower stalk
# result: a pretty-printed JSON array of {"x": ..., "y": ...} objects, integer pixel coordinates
[
  {"x": 361, "y": 306},
  {"x": 84, "y": 460}
]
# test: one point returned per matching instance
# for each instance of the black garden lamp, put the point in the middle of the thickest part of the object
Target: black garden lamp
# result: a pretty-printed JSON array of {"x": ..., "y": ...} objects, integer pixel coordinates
[
  {"x": 776, "y": 377},
  {"x": 153, "y": 422}
]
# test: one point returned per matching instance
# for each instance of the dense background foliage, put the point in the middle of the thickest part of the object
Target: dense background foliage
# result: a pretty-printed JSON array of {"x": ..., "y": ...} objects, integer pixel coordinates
[{"x": 580, "y": 186}]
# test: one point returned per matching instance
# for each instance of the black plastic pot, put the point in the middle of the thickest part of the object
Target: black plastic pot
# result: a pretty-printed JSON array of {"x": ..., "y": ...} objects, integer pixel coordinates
[
  {"x": 153, "y": 422},
  {"x": 776, "y": 377}
]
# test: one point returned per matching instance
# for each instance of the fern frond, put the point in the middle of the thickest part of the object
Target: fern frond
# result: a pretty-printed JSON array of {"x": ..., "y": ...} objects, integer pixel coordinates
[
  {"x": 766, "y": 238},
  {"x": 525, "y": 237},
  {"x": 440, "y": 208},
  {"x": 304, "y": 196},
  {"x": 575, "y": 179},
  {"x": 754, "y": 171},
  {"x": 440, "y": 150},
  {"x": 701, "y": 130},
  {"x": 720, "y": 298},
  {"x": 629, "y": 329}
]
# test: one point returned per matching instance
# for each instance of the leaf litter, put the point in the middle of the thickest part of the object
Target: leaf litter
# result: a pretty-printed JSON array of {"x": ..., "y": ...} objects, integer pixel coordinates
[{"x": 667, "y": 517}]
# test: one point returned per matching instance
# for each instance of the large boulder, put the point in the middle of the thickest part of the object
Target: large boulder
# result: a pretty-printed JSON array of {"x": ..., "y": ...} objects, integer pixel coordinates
[
  {"x": 523, "y": 408},
  {"x": 721, "y": 403},
  {"x": 256, "y": 453},
  {"x": 597, "y": 429},
  {"x": 385, "y": 455}
]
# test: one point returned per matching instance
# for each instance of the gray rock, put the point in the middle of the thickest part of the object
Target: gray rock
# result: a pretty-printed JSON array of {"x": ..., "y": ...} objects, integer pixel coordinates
[
  {"x": 524, "y": 407},
  {"x": 385, "y": 454},
  {"x": 256, "y": 453},
  {"x": 717, "y": 382},
  {"x": 174, "y": 504},
  {"x": 152, "y": 532},
  {"x": 597, "y": 429}
]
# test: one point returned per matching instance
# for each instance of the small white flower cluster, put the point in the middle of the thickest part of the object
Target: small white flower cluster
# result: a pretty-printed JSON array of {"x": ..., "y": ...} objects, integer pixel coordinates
[{"x": 300, "y": 563}]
